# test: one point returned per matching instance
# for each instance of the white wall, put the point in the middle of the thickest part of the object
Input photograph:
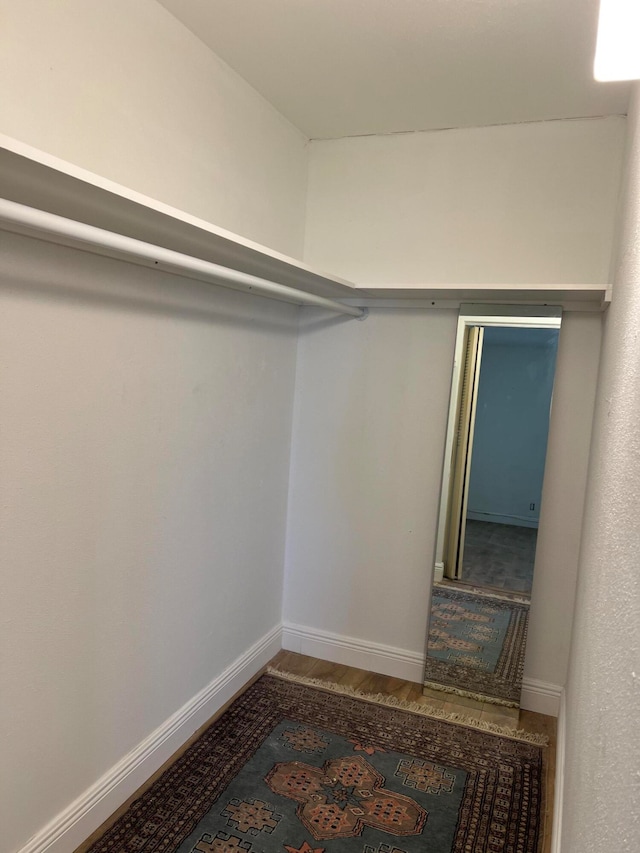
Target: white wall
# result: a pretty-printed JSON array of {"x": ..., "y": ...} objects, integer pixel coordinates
[
  {"x": 145, "y": 446},
  {"x": 145, "y": 420},
  {"x": 523, "y": 203},
  {"x": 124, "y": 90},
  {"x": 527, "y": 203},
  {"x": 601, "y": 783},
  {"x": 146, "y": 428},
  {"x": 369, "y": 424}
]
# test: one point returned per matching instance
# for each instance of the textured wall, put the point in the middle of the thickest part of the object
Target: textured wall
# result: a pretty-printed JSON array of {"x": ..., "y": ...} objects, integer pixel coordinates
[{"x": 602, "y": 774}]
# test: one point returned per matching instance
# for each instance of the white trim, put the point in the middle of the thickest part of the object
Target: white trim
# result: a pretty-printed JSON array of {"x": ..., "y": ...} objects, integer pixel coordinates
[
  {"x": 453, "y": 304},
  {"x": 558, "y": 795},
  {"x": 538, "y": 696},
  {"x": 438, "y": 572},
  {"x": 496, "y": 518},
  {"x": 76, "y": 823},
  {"x": 541, "y": 696},
  {"x": 585, "y": 297},
  {"x": 350, "y": 651}
]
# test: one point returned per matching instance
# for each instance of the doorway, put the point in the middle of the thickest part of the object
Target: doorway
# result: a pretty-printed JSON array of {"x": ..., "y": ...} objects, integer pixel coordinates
[{"x": 497, "y": 437}]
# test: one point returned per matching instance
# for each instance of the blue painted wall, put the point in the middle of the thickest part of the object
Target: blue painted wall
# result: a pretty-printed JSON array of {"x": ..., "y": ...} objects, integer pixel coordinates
[{"x": 512, "y": 423}]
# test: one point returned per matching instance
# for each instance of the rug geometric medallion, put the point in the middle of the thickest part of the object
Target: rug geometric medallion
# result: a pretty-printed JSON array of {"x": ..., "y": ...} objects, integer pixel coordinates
[
  {"x": 477, "y": 643},
  {"x": 291, "y": 768}
]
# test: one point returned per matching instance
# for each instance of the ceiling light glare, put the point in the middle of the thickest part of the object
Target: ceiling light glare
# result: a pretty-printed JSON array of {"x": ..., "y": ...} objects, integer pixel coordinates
[{"x": 618, "y": 44}]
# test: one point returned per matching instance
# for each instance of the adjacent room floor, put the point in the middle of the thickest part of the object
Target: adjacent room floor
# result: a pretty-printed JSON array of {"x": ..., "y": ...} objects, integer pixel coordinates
[{"x": 499, "y": 555}]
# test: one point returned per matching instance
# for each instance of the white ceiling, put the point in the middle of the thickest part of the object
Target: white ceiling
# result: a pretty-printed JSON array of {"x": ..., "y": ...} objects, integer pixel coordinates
[{"x": 349, "y": 67}]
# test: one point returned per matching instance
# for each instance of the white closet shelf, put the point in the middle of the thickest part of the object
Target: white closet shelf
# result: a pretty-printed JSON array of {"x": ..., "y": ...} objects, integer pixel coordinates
[
  {"x": 32, "y": 177},
  {"x": 575, "y": 296},
  {"x": 37, "y": 179}
]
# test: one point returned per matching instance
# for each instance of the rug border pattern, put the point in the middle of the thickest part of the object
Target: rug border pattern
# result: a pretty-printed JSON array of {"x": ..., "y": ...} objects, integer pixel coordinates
[
  {"x": 205, "y": 769},
  {"x": 504, "y": 686}
]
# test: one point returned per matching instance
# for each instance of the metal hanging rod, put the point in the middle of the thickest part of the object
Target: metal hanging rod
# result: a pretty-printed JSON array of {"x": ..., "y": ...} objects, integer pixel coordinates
[{"x": 22, "y": 219}]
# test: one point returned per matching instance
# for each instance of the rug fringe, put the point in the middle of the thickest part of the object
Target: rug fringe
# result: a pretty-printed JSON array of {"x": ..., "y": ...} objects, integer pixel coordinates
[
  {"x": 485, "y": 593},
  {"x": 469, "y": 694},
  {"x": 413, "y": 707}
]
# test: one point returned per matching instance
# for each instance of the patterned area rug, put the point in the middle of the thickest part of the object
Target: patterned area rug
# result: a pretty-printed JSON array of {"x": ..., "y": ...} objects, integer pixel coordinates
[
  {"x": 476, "y": 644},
  {"x": 291, "y": 768}
]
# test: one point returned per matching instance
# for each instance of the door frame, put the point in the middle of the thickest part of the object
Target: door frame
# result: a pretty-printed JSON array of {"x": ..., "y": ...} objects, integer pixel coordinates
[{"x": 531, "y": 317}]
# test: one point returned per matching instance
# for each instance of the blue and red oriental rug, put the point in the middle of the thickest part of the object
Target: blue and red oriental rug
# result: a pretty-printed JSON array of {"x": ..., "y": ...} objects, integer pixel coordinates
[
  {"x": 477, "y": 642},
  {"x": 292, "y": 768}
]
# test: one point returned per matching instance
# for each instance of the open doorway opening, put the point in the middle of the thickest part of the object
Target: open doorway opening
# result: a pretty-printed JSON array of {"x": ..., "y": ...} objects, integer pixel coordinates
[{"x": 497, "y": 438}]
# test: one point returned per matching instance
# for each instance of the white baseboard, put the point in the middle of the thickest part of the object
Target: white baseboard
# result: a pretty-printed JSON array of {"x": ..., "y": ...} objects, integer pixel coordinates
[
  {"x": 375, "y": 657},
  {"x": 76, "y": 823},
  {"x": 438, "y": 572},
  {"x": 556, "y": 829},
  {"x": 537, "y": 695},
  {"x": 495, "y": 518},
  {"x": 541, "y": 697}
]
